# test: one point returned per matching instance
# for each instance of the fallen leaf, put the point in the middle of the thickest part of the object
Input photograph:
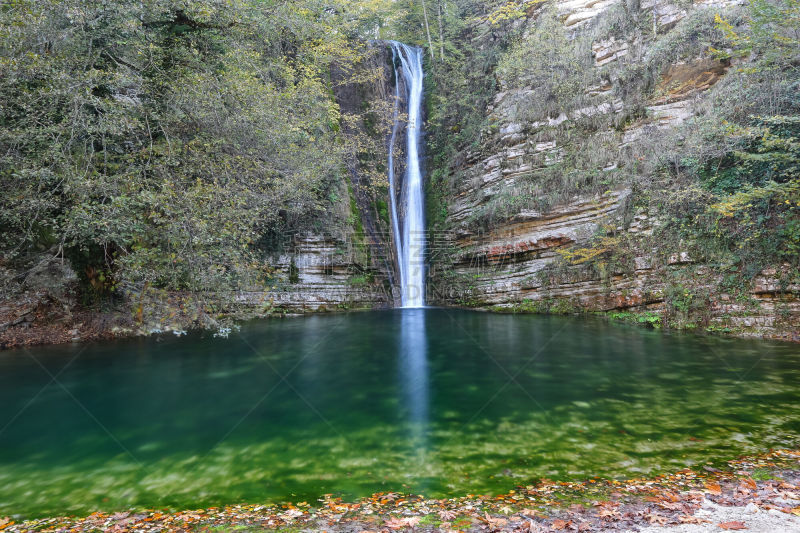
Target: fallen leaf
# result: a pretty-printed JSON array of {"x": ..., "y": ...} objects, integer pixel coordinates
[
  {"x": 734, "y": 524},
  {"x": 608, "y": 513},
  {"x": 293, "y": 513},
  {"x": 395, "y": 523},
  {"x": 412, "y": 521},
  {"x": 447, "y": 516},
  {"x": 494, "y": 522},
  {"x": 559, "y": 524},
  {"x": 713, "y": 488},
  {"x": 749, "y": 483},
  {"x": 657, "y": 519},
  {"x": 670, "y": 506},
  {"x": 690, "y": 519}
]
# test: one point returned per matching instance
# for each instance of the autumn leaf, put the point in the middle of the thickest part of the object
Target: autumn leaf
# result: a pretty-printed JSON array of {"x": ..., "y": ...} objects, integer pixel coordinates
[
  {"x": 561, "y": 524},
  {"x": 734, "y": 524},
  {"x": 293, "y": 513},
  {"x": 657, "y": 519},
  {"x": 412, "y": 521},
  {"x": 494, "y": 522},
  {"x": 690, "y": 519},
  {"x": 608, "y": 513},
  {"x": 671, "y": 506},
  {"x": 530, "y": 526},
  {"x": 713, "y": 488},
  {"x": 447, "y": 516},
  {"x": 399, "y": 523},
  {"x": 671, "y": 496},
  {"x": 749, "y": 483}
]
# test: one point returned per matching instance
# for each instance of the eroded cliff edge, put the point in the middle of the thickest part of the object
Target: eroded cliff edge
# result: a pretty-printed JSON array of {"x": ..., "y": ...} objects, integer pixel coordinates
[{"x": 579, "y": 193}]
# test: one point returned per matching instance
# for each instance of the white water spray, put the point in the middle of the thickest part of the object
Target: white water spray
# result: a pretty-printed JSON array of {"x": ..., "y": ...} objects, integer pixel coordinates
[{"x": 409, "y": 237}]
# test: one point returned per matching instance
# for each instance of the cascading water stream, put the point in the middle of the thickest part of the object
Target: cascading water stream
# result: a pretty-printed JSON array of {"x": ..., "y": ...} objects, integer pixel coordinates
[
  {"x": 392, "y": 196},
  {"x": 409, "y": 237}
]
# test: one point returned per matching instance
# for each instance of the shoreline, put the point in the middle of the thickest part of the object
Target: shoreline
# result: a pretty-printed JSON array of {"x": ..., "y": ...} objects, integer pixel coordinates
[
  {"x": 36, "y": 326},
  {"x": 755, "y": 493}
]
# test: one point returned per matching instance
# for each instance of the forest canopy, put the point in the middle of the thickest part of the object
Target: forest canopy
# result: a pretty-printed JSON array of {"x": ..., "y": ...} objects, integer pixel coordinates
[{"x": 160, "y": 141}]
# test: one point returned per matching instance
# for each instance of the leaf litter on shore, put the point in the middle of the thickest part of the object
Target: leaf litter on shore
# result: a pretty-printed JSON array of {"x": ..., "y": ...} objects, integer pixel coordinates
[{"x": 767, "y": 482}]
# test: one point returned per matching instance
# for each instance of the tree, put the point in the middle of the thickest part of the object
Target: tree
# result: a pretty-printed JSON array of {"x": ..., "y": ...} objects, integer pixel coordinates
[{"x": 159, "y": 142}]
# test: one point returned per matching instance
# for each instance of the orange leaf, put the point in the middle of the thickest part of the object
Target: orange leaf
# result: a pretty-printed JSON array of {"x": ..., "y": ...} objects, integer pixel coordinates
[
  {"x": 735, "y": 524},
  {"x": 713, "y": 488},
  {"x": 608, "y": 513},
  {"x": 561, "y": 524}
]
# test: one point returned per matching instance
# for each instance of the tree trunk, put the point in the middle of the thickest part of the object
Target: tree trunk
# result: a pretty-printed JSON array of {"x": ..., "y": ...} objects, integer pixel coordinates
[
  {"x": 427, "y": 29},
  {"x": 441, "y": 34}
]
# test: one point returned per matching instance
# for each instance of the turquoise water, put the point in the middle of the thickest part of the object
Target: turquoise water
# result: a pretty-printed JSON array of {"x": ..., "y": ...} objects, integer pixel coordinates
[{"x": 438, "y": 402}]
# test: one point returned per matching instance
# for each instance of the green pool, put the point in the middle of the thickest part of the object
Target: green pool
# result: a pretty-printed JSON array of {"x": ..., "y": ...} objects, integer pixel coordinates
[{"x": 437, "y": 402}]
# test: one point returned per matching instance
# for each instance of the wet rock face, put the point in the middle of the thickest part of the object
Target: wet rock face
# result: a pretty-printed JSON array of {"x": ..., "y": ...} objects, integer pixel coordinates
[
  {"x": 320, "y": 274},
  {"x": 516, "y": 261}
]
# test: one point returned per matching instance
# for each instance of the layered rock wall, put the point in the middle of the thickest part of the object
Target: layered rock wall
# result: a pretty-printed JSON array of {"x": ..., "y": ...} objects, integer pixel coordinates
[
  {"x": 527, "y": 259},
  {"x": 318, "y": 274}
]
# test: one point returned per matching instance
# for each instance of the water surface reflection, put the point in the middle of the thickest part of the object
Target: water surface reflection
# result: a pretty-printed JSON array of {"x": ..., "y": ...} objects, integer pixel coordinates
[{"x": 414, "y": 378}]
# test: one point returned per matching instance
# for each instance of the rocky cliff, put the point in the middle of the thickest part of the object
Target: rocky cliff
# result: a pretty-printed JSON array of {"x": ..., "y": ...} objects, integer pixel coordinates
[{"x": 560, "y": 206}]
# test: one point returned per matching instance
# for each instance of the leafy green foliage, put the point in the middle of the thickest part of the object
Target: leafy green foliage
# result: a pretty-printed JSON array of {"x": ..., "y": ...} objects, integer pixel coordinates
[
  {"x": 647, "y": 318},
  {"x": 768, "y": 150},
  {"x": 158, "y": 142},
  {"x": 772, "y": 34},
  {"x": 548, "y": 63}
]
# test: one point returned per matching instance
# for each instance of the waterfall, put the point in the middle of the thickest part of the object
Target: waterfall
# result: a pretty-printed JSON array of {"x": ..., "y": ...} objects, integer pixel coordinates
[{"x": 409, "y": 236}]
